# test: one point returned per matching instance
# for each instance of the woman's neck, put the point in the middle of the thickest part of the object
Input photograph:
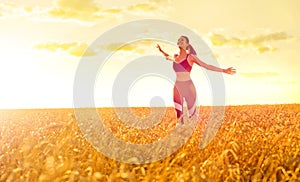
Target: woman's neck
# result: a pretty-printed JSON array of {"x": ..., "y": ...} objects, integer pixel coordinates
[{"x": 182, "y": 51}]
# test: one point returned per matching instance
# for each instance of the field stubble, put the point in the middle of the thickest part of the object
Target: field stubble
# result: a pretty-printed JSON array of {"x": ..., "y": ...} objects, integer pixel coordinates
[{"x": 254, "y": 143}]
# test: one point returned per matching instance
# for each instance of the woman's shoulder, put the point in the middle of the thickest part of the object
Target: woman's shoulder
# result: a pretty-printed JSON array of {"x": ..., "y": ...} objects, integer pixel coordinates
[{"x": 190, "y": 58}]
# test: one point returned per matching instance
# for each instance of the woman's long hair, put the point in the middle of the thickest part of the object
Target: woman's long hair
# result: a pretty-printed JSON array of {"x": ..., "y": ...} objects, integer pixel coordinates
[{"x": 189, "y": 48}]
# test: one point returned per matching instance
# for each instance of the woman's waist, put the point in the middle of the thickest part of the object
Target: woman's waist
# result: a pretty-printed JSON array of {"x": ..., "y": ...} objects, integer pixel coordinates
[{"x": 183, "y": 76}]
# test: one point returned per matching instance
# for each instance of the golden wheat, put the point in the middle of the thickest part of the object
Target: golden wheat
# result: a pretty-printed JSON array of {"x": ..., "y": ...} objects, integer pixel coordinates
[{"x": 254, "y": 143}]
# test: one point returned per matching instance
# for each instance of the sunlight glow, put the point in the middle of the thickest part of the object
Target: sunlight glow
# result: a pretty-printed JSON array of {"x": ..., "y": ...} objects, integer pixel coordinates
[{"x": 42, "y": 44}]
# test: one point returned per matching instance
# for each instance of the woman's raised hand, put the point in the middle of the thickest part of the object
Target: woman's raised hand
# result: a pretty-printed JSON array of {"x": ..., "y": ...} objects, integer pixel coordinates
[
  {"x": 164, "y": 53},
  {"x": 157, "y": 46},
  {"x": 230, "y": 71}
]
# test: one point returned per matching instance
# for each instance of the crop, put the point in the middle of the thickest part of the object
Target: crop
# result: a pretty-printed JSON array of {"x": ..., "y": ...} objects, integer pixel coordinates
[{"x": 254, "y": 143}]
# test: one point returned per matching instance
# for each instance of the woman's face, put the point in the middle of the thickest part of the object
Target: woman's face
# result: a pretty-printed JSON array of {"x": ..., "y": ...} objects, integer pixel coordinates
[{"x": 182, "y": 43}]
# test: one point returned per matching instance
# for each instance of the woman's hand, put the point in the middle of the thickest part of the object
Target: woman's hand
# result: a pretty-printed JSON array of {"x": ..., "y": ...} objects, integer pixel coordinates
[
  {"x": 165, "y": 54},
  {"x": 157, "y": 46},
  {"x": 230, "y": 71}
]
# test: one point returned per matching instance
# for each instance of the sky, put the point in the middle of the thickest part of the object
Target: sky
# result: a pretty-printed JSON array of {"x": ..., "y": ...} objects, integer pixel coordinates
[{"x": 43, "y": 42}]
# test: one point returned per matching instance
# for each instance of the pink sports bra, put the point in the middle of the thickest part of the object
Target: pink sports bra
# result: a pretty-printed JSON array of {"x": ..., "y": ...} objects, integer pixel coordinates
[{"x": 183, "y": 66}]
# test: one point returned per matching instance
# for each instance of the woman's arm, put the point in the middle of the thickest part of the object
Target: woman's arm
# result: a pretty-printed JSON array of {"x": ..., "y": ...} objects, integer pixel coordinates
[
  {"x": 164, "y": 53},
  {"x": 167, "y": 56},
  {"x": 196, "y": 60},
  {"x": 170, "y": 58}
]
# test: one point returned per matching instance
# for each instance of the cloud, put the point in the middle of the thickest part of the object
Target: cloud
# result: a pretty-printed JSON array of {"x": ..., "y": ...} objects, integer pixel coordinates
[
  {"x": 259, "y": 74},
  {"x": 73, "y": 48},
  {"x": 138, "y": 46},
  {"x": 151, "y": 8},
  {"x": 82, "y": 49},
  {"x": 78, "y": 5},
  {"x": 6, "y": 8},
  {"x": 261, "y": 43},
  {"x": 13, "y": 10},
  {"x": 113, "y": 11},
  {"x": 75, "y": 9},
  {"x": 78, "y": 10},
  {"x": 89, "y": 10},
  {"x": 270, "y": 37},
  {"x": 85, "y": 12},
  {"x": 161, "y": 1},
  {"x": 282, "y": 82},
  {"x": 262, "y": 49},
  {"x": 143, "y": 8}
]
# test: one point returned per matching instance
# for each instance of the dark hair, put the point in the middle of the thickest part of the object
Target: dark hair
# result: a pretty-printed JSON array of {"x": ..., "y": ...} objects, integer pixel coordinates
[
  {"x": 189, "y": 47},
  {"x": 186, "y": 38}
]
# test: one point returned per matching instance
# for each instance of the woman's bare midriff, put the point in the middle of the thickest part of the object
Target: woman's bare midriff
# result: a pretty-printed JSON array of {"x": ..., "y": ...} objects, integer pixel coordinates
[{"x": 182, "y": 76}]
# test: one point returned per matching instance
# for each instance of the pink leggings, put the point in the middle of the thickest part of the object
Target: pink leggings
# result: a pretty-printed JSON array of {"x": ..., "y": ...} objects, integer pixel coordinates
[{"x": 186, "y": 90}]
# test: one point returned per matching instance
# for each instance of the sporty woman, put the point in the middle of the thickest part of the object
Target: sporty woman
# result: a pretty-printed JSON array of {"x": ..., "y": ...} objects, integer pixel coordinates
[{"x": 184, "y": 86}]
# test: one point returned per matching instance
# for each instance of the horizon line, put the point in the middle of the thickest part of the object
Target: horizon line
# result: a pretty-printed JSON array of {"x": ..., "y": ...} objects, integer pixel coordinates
[{"x": 233, "y": 105}]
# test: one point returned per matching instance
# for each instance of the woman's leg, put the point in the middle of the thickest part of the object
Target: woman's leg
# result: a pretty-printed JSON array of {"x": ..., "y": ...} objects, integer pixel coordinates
[
  {"x": 178, "y": 101},
  {"x": 190, "y": 97}
]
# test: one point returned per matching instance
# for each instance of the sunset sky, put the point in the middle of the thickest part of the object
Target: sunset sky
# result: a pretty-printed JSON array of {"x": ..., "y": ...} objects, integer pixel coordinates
[{"x": 42, "y": 43}]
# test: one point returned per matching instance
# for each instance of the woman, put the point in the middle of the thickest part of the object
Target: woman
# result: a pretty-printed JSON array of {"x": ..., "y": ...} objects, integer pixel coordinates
[{"x": 184, "y": 87}]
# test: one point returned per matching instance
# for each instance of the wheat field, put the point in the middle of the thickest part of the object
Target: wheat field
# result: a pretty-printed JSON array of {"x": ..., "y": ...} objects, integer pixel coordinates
[{"x": 254, "y": 143}]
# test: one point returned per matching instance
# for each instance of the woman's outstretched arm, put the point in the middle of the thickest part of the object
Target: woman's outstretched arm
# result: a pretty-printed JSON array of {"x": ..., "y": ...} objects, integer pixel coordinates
[
  {"x": 167, "y": 56},
  {"x": 211, "y": 67},
  {"x": 164, "y": 53}
]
